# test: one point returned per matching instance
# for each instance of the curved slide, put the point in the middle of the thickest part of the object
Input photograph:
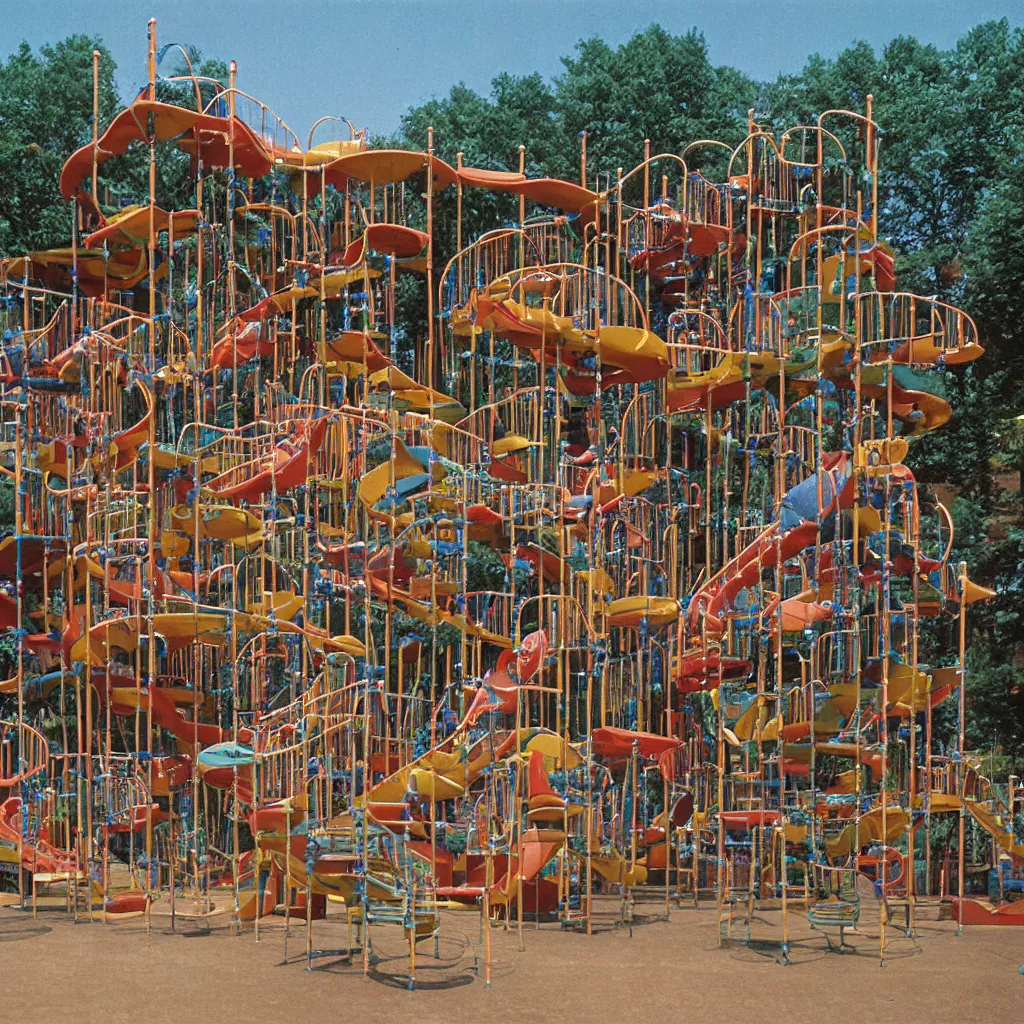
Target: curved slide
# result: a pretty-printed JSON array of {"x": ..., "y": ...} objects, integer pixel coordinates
[{"x": 37, "y": 854}]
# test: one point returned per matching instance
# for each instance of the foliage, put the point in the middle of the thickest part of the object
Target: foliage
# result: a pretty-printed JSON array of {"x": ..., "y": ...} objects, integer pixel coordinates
[
  {"x": 951, "y": 200},
  {"x": 45, "y": 115},
  {"x": 6, "y": 505},
  {"x": 484, "y": 569}
]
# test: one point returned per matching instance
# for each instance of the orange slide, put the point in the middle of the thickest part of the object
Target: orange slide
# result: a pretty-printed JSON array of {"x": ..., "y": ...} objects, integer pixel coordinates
[
  {"x": 37, "y": 854},
  {"x": 537, "y": 848},
  {"x": 745, "y": 570},
  {"x": 288, "y": 466}
]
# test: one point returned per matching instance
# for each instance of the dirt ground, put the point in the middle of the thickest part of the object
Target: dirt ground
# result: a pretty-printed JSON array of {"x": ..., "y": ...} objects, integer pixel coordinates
[{"x": 57, "y": 971}]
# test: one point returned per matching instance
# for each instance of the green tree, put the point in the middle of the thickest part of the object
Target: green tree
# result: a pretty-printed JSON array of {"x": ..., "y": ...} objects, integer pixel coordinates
[{"x": 45, "y": 115}]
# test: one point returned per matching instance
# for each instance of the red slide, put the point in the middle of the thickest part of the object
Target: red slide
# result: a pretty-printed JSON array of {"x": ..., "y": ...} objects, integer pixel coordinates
[
  {"x": 745, "y": 570},
  {"x": 37, "y": 854}
]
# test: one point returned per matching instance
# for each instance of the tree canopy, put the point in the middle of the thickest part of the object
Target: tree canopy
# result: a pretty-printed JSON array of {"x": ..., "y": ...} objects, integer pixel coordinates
[
  {"x": 46, "y": 107},
  {"x": 951, "y": 198}
]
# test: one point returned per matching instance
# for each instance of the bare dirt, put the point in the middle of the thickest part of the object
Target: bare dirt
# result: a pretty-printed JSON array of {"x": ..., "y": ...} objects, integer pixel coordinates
[{"x": 57, "y": 971}]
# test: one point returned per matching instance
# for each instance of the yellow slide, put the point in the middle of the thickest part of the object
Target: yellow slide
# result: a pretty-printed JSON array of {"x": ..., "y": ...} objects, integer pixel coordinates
[
  {"x": 690, "y": 390},
  {"x": 614, "y": 868},
  {"x": 409, "y": 394},
  {"x": 374, "y": 485},
  {"x": 992, "y": 822},
  {"x": 219, "y": 522},
  {"x": 122, "y": 633},
  {"x": 631, "y": 611},
  {"x": 870, "y": 831}
]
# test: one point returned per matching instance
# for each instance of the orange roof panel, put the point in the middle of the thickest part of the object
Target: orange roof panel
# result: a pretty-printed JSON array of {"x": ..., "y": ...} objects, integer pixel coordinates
[
  {"x": 562, "y": 195},
  {"x": 387, "y": 166},
  {"x": 169, "y": 122}
]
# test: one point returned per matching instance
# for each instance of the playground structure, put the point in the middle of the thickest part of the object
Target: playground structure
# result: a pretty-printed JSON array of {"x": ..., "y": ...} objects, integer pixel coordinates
[{"x": 611, "y": 577}]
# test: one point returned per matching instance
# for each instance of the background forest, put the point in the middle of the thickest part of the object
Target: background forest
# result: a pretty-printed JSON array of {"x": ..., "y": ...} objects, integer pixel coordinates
[{"x": 951, "y": 192}]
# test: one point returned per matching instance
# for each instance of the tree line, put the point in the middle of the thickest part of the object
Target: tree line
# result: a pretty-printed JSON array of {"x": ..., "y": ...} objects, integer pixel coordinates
[{"x": 951, "y": 201}]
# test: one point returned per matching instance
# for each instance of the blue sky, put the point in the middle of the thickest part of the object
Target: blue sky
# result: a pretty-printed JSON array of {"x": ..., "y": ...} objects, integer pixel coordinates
[{"x": 369, "y": 60}]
